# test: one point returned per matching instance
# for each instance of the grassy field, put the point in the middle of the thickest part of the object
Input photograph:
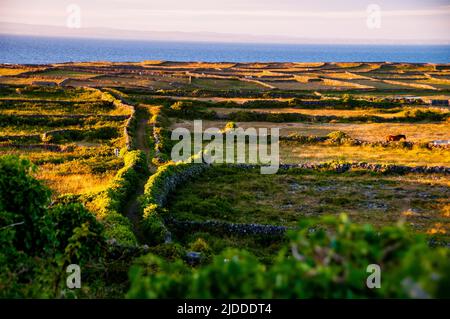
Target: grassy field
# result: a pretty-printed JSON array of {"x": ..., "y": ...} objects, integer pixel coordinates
[
  {"x": 239, "y": 196},
  {"x": 49, "y": 93},
  {"x": 79, "y": 177},
  {"x": 84, "y": 168},
  {"x": 341, "y": 113},
  {"x": 292, "y": 153},
  {"x": 104, "y": 137},
  {"x": 55, "y": 108},
  {"x": 61, "y": 73},
  {"x": 370, "y": 131},
  {"x": 217, "y": 84},
  {"x": 79, "y": 162},
  {"x": 11, "y": 71}
]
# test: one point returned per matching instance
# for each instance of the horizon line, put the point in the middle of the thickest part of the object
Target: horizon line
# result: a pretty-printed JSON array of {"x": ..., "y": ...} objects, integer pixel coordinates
[
  {"x": 230, "y": 42},
  {"x": 152, "y": 36}
]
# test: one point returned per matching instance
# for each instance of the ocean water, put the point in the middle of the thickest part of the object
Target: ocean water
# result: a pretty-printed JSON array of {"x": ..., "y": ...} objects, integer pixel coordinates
[{"x": 41, "y": 50}]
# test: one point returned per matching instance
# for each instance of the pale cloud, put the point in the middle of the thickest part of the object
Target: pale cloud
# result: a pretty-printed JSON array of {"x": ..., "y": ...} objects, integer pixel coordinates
[
  {"x": 298, "y": 18},
  {"x": 291, "y": 14}
]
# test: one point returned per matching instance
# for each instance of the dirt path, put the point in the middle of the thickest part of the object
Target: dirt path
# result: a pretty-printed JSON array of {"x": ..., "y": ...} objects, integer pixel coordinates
[
  {"x": 142, "y": 142},
  {"x": 133, "y": 209}
]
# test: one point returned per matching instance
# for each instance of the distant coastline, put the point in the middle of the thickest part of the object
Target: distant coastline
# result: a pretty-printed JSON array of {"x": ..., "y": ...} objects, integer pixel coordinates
[{"x": 16, "y": 49}]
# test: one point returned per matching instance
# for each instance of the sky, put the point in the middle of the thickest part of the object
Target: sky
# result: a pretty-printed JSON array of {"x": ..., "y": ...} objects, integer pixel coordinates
[{"x": 396, "y": 20}]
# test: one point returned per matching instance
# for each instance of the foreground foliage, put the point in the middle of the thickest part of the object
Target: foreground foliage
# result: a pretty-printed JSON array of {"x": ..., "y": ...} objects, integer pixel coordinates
[
  {"x": 39, "y": 241},
  {"x": 325, "y": 259}
]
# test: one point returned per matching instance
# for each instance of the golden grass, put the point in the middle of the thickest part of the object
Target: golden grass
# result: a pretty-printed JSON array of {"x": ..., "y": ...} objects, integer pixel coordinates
[
  {"x": 72, "y": 182},
  {"x": 294, "y": 153},
  {"x": 239, "y": 100},
  {"x": 348, "y": 64},
  {"x": 345, "y": 75},
  {"x": 301, "y": 83},
  {"x": 410, "y": 84},
  {"x": 226, "y": 83},
  {"x": 325, "y": 112},
  {"x": 194, "y": 65},
  {"x": 75, "y": 183},
  {"x": 88, "y": 64},
  {"x": 434, "y": 80},
  {"x": 61, "y": 74},
  {"x": 336, "y": 83},
  {"x": 15, "y": 81},
  {"x": 14, "y": 71},
  {"x": 152, "y": 62},
  {"x": 367, "y": 131},
  {"x": 309, "y": 64},
  {"x": 366, "y": 67}
]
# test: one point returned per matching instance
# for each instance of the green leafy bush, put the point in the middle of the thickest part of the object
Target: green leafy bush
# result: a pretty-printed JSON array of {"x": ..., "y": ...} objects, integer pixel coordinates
[
  {"x": 68, "y": 221},
  {"x": 37, "y": 242},
  {"x": 24, "y": 199},
  {"x": 200, "y": 245},
  {"x": 328, "y": 258}
]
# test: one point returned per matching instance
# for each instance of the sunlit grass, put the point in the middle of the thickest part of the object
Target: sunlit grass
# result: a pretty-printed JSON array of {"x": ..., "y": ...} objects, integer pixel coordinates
[
  {"x": 367, "y": 131},
  {"x": 314, "y": 112},
  {"x": 292, "y": 153},
  {"x": 73, "y": 183},
  {"x": 14, "y": 71}
]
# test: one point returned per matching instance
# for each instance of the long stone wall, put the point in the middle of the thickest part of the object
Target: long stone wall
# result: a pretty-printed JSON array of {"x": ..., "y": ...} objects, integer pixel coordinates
[
  {"x": 302, "y": 139},
  {"x": 225, "y": 227},
  {"x": 345, "y": 167}
]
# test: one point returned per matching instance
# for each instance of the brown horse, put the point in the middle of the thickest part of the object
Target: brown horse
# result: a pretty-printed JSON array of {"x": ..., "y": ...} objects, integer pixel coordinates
[{"x": 393, "y": 138}]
